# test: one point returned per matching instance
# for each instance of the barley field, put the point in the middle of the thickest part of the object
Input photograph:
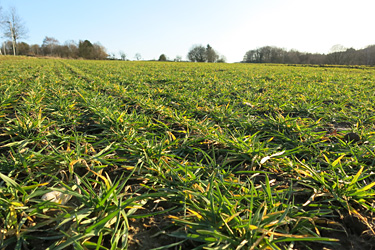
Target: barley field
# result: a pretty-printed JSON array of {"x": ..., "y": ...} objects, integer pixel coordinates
[{"x": 162, "y": 155}]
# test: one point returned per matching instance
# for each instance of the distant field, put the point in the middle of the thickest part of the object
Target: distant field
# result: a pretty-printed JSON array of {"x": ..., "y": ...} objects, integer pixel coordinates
[{"x": 151, "y": 155}]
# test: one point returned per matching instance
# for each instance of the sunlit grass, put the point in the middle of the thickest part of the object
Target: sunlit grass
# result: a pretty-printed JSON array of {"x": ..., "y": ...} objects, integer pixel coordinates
[{"x": 229, "y": 156}]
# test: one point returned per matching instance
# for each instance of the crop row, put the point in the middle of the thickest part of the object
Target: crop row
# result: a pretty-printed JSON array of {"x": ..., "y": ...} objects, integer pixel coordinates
[{"x": 214, "y": 156}]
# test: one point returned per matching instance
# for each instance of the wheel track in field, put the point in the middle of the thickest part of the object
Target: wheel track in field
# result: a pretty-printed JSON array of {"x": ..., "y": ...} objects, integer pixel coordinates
[{"x": 137, "y": 104}]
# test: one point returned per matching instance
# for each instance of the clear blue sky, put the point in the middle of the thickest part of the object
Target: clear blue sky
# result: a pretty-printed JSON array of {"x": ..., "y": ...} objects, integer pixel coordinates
[{"x": 172, "y": 27}]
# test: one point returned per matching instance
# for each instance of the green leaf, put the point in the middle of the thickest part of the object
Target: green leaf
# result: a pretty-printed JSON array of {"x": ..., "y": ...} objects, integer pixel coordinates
[
  {"x": 355, "y": 178},
  {"x": 364, "y": 189},
  {"x": 169, "y": 246},
  {"x": 12, "y": 183},
  {"x": 107, "y": 195},
  {"x": 100, "y": 224}
]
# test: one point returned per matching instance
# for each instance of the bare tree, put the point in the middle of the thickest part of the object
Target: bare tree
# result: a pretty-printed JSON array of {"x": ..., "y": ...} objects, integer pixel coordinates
[
  {"x": 14, "y": 28},
  {"x": 122, "y": 55},
  {"x": 3, "y": 47},
  {"x": 99, "y": 52},
  {"x": 337, "y": 48},
  {"x": 368, "y": 55},
  {"x": 178, "y": 58},
  {"x": 222, "y": 59},
  {"x": 138, "y": 56},
  {"x": 72, "y": 48},
  {"x": 197, "y": 54},
  {"x": 337, "y": 55},
  {"x": 7, "y": 47},
  {"x": 50, "y": 45},
  {"x": 35, "y": 49}
]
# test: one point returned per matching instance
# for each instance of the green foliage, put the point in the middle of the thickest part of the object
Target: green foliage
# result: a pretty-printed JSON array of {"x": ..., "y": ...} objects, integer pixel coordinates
[
  {"x": 216, "y": 156},
  {"x": 162, "y": 58}
]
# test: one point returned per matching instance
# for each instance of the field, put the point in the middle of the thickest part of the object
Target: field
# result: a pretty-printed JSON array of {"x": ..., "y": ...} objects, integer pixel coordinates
[{"x": 151, "y": 155}]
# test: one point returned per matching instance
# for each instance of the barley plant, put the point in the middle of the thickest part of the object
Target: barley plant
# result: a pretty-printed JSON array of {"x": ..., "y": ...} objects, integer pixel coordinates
[{"x": 153, "y": 155}]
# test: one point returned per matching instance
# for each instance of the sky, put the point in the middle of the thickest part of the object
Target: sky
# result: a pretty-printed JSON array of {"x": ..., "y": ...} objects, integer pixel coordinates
[{"x": 172, "y": 27}]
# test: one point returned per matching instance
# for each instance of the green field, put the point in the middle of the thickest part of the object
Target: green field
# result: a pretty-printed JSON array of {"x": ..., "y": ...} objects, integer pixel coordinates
[{"x": 152, "y": 155}]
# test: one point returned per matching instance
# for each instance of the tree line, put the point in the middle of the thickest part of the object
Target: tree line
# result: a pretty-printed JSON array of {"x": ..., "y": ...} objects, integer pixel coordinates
[
  {"x": 51, "y": 47},
  {"x": 70, "y": 49},
  {"x": 14, "y": 30},
  {"x": 339, "y": 55}
]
